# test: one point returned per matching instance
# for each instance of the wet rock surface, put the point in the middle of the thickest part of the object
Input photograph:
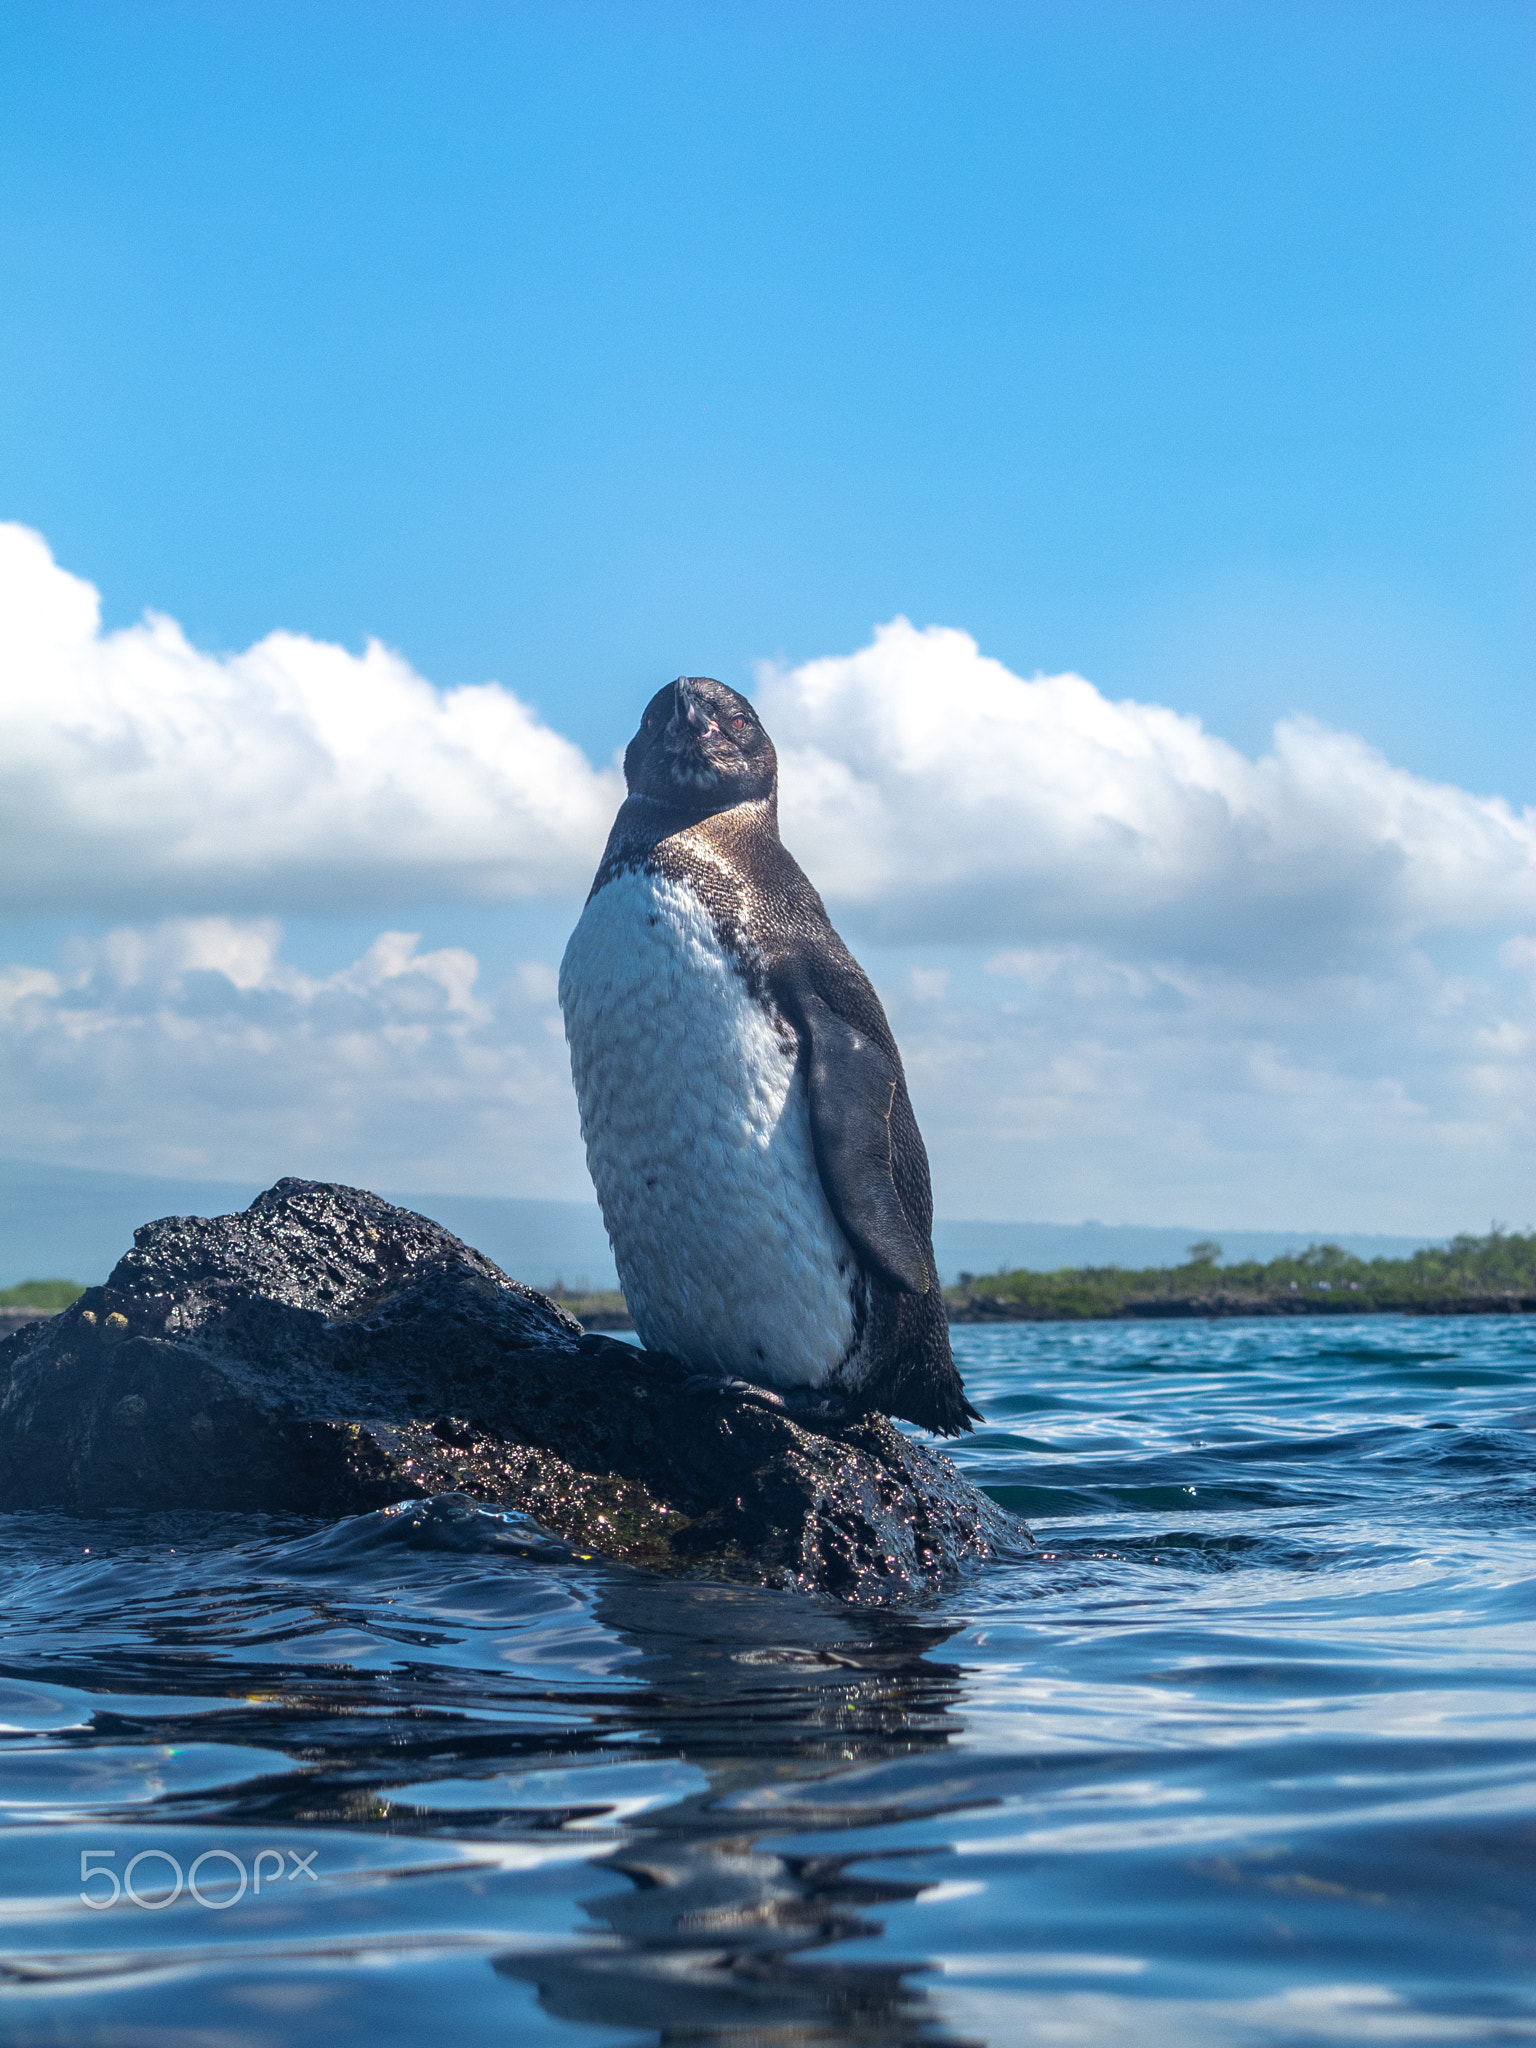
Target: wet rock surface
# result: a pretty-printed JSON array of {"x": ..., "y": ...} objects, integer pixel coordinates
[
  {"x": 19, "y": 1318},
  {"x": 325, "y": 1353}
]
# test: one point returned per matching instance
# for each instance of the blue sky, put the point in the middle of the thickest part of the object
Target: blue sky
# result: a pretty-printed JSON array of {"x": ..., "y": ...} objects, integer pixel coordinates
[
  {"x": 1186, "y": 348},
  {"x": 571, "y": 344}
]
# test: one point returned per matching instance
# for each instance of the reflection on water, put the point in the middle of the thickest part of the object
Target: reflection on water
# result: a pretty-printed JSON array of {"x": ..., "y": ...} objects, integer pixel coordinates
[
  {"x": 718, "y": 1933},
  {"x": 1244, "y": 1755}
]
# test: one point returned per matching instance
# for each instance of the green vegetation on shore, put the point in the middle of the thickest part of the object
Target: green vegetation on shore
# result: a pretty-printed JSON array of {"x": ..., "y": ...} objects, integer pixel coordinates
[
  {"x": 41, "y": 1294},
  {"x": 1498, "y": 1270},
  {"x": 604, "y": 1309}
]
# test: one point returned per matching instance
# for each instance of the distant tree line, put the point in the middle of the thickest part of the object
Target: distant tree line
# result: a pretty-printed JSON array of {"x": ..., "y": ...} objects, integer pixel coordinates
[
  {"x": 41, "y": 1294},
  {"x": 1496, "y": 1270}
]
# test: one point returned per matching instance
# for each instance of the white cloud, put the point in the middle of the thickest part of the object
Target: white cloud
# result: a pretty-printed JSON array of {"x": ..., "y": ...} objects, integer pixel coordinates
[
  {"x": 935, "y": 794},
  {"x": 928, "y": 791},
  {"x": 1213, "y": 990},
  {"x": 136, "y": 771},
  {"x": 1065, "y": 1081},
  {"x": 1052, "y": 1082},
  {"x": 193, "y": 1047}
]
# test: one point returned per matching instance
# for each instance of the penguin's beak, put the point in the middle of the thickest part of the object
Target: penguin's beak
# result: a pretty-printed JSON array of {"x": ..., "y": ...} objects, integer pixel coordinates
[{"x": 692, "y": 711}]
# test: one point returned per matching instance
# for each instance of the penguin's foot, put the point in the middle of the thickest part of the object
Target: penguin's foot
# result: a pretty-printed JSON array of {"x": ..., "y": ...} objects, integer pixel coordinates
[
  {"x": 806, "y": 1405},
  {"x": 718, "y": 1387},
  {"x": 594, "y": 1345},
  {"x": 820, "y": 1411}
]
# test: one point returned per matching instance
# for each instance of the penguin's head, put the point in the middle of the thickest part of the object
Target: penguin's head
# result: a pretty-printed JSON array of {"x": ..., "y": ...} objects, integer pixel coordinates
[{"x": 700, "y": 743}]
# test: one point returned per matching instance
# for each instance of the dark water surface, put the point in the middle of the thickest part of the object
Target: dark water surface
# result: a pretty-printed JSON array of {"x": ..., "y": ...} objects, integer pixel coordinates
[{"x": 1245, "y": 1755}]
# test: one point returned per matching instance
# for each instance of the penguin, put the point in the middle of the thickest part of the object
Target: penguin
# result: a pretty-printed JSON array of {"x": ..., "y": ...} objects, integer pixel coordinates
[{"x": 745, "y": 1115}]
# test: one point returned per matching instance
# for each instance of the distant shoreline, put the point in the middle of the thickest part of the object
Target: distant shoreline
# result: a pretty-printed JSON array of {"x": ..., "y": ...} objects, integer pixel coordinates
[
  {"x": 1212, "y": 1308},
  {"x": 1190, "y": 1308}
]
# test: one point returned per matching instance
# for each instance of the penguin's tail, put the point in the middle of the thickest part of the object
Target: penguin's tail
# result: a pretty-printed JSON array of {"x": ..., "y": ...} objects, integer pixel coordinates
[{"x": 942, "y": 1408}]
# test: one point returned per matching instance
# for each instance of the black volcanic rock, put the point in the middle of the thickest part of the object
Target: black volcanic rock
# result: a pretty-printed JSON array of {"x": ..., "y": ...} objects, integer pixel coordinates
[{"x": 325, "y": 1353}]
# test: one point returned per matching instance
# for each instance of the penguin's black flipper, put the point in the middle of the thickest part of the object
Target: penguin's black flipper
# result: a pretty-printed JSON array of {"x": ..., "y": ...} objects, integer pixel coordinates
[{"x": 852, "y": 1083}]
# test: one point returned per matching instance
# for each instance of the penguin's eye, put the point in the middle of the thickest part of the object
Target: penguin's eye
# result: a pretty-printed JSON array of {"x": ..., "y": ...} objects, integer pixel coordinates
[{"x": 737, "y": 724}]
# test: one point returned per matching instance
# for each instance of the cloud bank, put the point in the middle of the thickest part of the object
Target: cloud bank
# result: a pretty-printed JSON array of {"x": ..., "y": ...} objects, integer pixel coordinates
[
  {"x": 1051, "y": 1081},
  {"x": 926, "y": 789},
  {"x": 1134, "y": 973},
  {"x": 943, "y": 796},
  {"x": 138, "y": 773},
  {"x": 193, "y": 1047},
  {"x": 1087, "y": 1084}
]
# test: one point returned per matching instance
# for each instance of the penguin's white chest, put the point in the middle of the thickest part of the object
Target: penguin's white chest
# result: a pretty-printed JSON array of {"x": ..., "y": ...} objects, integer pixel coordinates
[{"x": 698, "y": 1140}]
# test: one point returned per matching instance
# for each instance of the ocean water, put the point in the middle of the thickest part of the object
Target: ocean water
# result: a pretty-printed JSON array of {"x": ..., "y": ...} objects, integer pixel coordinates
[{"x": 1245, "y": 1754}]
